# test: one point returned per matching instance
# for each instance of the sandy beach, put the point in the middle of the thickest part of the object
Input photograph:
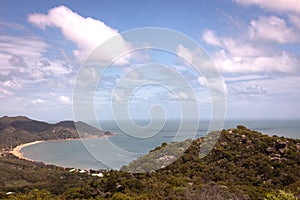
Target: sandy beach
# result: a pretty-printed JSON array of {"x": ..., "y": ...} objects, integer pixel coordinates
[{"x": 17, "y": 150}]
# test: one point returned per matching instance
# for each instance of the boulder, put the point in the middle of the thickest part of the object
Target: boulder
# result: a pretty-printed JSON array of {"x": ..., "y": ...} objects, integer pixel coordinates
[{"x": 280, "y": 144}]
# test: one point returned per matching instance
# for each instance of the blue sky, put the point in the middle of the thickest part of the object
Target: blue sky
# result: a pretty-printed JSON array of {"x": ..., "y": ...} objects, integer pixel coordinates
[{"x": 254, "y": 44}]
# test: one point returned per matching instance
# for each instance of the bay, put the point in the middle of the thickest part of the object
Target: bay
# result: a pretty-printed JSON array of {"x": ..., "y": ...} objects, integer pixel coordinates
[{"x": 104, "y": 153}]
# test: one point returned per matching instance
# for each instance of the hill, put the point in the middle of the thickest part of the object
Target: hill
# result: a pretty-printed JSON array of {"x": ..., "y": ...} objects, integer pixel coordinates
[
  {"x": 18, "y": 130},
  {"x": 244, "y": 161},
  {"x": 244, "y": 164}
]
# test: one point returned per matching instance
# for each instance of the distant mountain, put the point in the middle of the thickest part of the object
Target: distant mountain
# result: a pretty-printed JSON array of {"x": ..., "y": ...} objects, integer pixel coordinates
[{"x": 20, "y": 129}]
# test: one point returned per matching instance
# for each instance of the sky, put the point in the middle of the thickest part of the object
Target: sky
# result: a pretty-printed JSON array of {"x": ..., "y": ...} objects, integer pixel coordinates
[{"x": 254, "y": 45}]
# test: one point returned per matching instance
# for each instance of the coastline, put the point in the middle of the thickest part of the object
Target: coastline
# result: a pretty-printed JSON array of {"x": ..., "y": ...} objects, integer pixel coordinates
[{"x": 17, "y": 150}]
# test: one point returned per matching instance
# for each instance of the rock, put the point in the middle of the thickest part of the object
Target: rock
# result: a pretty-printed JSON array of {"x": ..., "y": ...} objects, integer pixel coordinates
[
  {"x": 166, "y": 158},
  {"x": 282, "y": 151},
  {"x": 298, "y": 146},
  {"x": 244, "y": 139},
  {"x": 277, "y": 155},
  {"x": 280, "y": 144},
  {"x": 275, "y": 159},
  {"x": 269, "y": 150},
  {"x": 98, "y": 175}
]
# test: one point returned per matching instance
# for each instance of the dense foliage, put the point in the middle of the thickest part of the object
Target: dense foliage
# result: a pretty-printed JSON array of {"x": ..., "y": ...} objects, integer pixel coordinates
[{"x": 244, "y": 164}]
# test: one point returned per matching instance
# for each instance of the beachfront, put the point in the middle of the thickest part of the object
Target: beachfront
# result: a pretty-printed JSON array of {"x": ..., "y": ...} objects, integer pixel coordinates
[{"x": 17, "y": 150}]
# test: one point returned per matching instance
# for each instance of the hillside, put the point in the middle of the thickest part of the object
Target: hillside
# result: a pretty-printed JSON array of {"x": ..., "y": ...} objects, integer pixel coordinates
[
  {"x": 18, "y": 130},
  {"x": 244, "y": 161},
  {"x": 244, "y": 164}
]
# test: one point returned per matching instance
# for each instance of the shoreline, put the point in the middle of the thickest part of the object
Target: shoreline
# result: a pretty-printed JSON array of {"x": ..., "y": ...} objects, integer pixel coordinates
[{"x": 17, "y": 150}]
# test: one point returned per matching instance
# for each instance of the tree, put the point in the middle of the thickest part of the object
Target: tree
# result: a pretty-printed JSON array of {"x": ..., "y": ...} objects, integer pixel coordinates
[{"x": 280, "y": 195}]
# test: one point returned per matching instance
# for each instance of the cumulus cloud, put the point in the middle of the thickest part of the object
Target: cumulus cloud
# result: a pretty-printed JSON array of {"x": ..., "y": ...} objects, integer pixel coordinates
[
  {"x": 274, "y": 29},
  {"x": 240, "y": 48},
  {"x": 215, "y": 85},
  {"x": 257, "y": 89},
  {"x": 23, "y": 64},
  {"x": 86, "y": 33},
  {"x": 65, "y": 100},
  {"x": 278, "y": 5},
  {"x": 197, "y": 58},
  {"x": 234, "y": 46},
  {"x": 282, "y": 62},
  {"x": 253, "y": 54},
  {"x": 38, "y": 101},
  {"x": 27, "y": 69},
  {"x": 295, "y": 19},
  {"x": 11, "y": 84},
  {"x": 182, "y": 96},
  {"x": 210, "y": 38},
  {"x": 57, "y": 67},
  {"x": 5, "y": 92},
  {"x": 17, "y": 61}
]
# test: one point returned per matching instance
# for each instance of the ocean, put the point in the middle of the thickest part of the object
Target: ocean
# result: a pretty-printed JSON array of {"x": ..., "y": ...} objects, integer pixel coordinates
[{"x": 119, "y": 150}]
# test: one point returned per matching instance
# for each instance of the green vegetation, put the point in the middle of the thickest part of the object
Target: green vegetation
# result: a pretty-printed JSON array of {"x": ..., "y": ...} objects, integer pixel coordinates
[
  {"x": 280, "y": 195},
  {"x": 244, "y": 164}
]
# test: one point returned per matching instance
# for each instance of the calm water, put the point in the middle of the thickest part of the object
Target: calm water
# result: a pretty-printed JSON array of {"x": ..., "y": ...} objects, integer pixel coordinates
[{"x": 119, "y": 150}]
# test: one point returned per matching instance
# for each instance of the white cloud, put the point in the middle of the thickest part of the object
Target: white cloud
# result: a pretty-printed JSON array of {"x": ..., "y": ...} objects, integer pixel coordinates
[
  {"x": 279, "y": 89},
  {"x": 257, "y": 89},
  {"x": 57, "y": 67},
  {"x": 255, "y": 54},
  {"x": 273, "y": 29},
  {"x": 11, "y": 84},
  {"x": 23, "y": 64},
  {"x": 210, "y": 38},
  {"x": 182, "y": 96},
  {"x": 28, "y": 46},
  {"x": 38, "y": 101},
  {"x": 295, "y": 19},
  {"x": 197, "y": 58},
  {"x": 86, "y": 33},
  {"x": 20, "y": 52},
  {"x": 17, "y": 61},
  {"x": 240, "y": 48},
  {"x": 251, "y": 77},
  {"x": 23, "y": 58},
  {"x": 65, "y": 100},
  {"x": 4, "y": 92},
  {"x": 281, "y": 62},
  {"x": 214, "y": 85},
  {"x": 278, "y": 5}
]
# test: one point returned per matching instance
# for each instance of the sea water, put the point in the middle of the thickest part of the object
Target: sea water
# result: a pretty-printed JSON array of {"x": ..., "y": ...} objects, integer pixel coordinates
[{"x": 104, "y": 153}]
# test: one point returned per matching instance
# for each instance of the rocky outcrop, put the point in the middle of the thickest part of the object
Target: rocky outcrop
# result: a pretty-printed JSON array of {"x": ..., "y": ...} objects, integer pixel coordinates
[{"x": 277, "y": 153}]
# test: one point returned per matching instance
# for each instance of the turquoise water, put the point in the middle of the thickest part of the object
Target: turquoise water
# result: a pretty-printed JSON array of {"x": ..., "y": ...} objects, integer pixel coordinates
[{"x": 119, "y": 150}]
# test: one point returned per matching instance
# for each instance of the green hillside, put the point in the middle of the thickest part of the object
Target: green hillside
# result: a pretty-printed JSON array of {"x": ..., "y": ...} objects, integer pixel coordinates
[{"x": 244, "y": 164}]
